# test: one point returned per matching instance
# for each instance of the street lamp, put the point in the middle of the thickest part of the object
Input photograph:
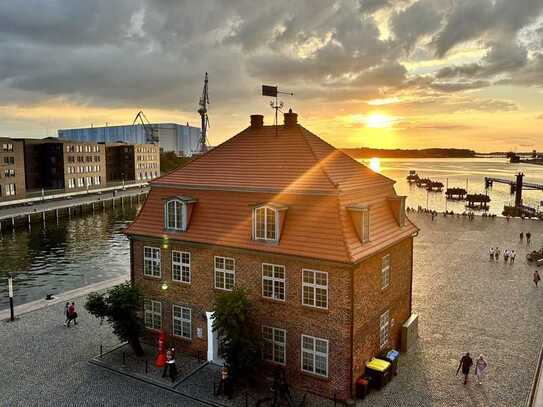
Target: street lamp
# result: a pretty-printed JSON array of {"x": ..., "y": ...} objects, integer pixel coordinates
[{"x": 10, "y": 292}]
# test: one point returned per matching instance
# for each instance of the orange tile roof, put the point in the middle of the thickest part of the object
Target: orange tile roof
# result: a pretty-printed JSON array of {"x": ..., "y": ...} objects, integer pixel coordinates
[{"x": 293, "y": 167}]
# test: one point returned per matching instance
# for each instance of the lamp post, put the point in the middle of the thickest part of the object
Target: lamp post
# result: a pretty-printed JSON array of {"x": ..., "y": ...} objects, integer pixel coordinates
[{"x": 10, "y": 292}]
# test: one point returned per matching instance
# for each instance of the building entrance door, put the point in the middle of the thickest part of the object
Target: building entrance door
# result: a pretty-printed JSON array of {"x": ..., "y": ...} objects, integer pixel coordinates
[{"x": 212, "y": 342}]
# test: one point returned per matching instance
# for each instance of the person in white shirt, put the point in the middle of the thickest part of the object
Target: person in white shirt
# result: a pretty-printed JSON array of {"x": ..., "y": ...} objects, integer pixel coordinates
[{"x": 491, "y": 253}]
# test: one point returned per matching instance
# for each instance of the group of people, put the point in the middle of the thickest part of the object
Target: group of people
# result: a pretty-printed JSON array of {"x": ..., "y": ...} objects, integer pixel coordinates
[
  {"x": 528, "y": 238},
  {"x": 466, "y": 362},
  {"x": 508, "y": 255}
]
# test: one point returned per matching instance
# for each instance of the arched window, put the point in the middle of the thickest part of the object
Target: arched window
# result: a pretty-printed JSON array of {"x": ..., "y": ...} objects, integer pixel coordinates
[
  {"x": 265, "y": 223},
  {"x": 175, "y": 215}
]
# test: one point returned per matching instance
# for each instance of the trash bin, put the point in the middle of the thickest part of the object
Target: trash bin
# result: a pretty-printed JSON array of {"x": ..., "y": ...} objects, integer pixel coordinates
[
  {"x": 379, "y": 372},
  {"x": 392, "y": 356},
  {"x": 361, "y": 388}
]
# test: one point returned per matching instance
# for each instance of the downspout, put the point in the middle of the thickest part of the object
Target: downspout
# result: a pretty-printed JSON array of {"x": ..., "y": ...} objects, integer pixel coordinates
[
  {"x": 352, "y": 332},
  {"x": 131, "y": 261}
]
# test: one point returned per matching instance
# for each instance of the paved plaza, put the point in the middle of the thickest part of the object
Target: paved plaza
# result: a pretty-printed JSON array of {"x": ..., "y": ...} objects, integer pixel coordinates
[{"x": 465, "y": 303}]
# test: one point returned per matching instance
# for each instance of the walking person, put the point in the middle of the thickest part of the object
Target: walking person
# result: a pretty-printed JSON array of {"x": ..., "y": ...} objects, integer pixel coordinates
[
  {"x": 491, "y": 253},
  {"x": 537, "y": 277},
  {"x": 512, "y": 257},
  {"x": 528, "y": 238},
  {"x": 170, "y": 369},
  {"x": 465, "y": 364},
  {"x": 497, "y": 253},
  {"x": 480, "y": 367},
  {"x": 72, "y": 314},
  {"x": 521, "y": 237},
  {"x": 505, "y": 255}
]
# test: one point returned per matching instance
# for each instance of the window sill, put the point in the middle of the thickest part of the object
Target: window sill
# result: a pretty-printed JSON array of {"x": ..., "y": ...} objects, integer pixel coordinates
[
  {"x": 222, "y": 290},
  {"x": 315, "y": 376},
  {"x": 182, "y": 338},
  {"x": 274, "y": 300},
  {"x": 323, "y": 310},
  {"x": 146, "y": 276}
]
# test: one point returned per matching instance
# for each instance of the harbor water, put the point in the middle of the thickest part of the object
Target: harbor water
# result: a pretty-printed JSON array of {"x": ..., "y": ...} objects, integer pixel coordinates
[
  {"x": 62, "y": 256},
  {"x": 467, "y": 173}
]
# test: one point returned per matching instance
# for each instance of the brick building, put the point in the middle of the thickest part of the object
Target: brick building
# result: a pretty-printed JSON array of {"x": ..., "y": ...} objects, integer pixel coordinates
[
  {"x": 64, "y": 165},
  {"x": 132, "y": 162},
  {"x": 12, "y": 169},
  {"x": 321, "y": 242}
]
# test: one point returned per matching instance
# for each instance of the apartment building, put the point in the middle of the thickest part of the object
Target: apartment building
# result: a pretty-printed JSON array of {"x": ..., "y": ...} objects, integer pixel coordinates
[
  {"x": 321, "y": 243},
  {"x": 12, "y": 170},
  {"x": 65, "y": 166},
  {"x": 132, "y": 162}
]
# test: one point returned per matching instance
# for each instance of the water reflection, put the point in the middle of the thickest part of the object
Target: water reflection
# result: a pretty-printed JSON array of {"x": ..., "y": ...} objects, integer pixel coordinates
[{"x": 61, "y": 257}]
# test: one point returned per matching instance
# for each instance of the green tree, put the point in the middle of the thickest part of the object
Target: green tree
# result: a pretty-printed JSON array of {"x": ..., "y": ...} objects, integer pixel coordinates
[
  {"x": 233, "y": 321},
  {"x": 120, "y": 305},
  {"x": 169, "y": 161}
]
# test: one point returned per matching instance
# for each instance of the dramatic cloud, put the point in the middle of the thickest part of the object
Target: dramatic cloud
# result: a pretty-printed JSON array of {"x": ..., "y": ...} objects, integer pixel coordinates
[{"x": 435, "y": 56}]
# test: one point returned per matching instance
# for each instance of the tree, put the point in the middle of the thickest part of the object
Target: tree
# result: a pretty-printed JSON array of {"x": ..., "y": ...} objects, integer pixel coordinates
[
  {"x": 169, "y": 161},
  {"x": 233, "y": 321},
  {"x": 120, "y": 305}
]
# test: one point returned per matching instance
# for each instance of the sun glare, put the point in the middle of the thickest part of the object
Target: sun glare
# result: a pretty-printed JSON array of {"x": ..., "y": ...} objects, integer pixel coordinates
[
  {"x": 378, "y": 121},
  {"x": 375, "y": 164}
]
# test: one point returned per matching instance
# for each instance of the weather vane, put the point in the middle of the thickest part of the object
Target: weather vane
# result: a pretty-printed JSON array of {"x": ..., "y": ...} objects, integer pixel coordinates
[{"x": 277, "y": 105}]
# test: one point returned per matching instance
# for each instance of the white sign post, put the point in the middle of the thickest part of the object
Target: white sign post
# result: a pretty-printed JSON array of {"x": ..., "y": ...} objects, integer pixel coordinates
[{"x": 10, "y": 291}]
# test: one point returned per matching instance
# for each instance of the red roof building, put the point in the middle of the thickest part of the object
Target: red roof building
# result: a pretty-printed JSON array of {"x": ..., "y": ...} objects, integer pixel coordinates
[{"x": 321, "y": 242}]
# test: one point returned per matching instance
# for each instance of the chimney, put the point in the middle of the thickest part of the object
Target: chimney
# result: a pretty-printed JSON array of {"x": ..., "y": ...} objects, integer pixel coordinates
[
  {"x": 257, "y": 121},
  {"x": 291, "y": 119}
]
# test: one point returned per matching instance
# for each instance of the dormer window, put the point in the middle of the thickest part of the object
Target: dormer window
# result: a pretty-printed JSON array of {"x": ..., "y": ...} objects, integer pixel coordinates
[
  {"x": 267, "y": 221},
  {"x": 360, "y": 215},
  {"x": 177, "y": 211},
  {"x": 176, "y": 215}
]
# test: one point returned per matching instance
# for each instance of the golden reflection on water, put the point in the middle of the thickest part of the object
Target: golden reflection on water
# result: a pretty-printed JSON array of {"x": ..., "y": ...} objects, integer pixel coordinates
[{"x": 375, "y": 164}]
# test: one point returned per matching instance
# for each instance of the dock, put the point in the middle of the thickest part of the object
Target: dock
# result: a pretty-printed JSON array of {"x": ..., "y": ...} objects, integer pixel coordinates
[{"x": 33, "y": 210}]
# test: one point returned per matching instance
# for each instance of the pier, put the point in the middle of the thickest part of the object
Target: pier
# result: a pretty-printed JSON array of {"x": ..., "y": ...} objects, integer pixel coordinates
[
  {"x": 458, "y": 194},
  {"x": 516, "y": 188},
  {"x": 28, "y": 211}
]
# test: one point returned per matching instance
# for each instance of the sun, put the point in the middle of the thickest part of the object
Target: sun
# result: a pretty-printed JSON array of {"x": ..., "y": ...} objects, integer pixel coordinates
[{"x": 378, "y": 121}]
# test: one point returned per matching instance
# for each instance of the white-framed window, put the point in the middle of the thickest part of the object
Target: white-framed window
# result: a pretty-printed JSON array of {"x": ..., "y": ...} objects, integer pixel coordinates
[
  {"x": 152, "y": 313},
  {"x": 384, "y": 329},
  {"x": 151, "y": 261},
  {"x": 225, "y": 273},
  {"x": 9, "y": 190},
  {"x": 315, "y": 288},
  {"x": 315, "y": 355},
  {"x": 275, "y": 344},
  {"x": 175, "y": 214},
  {"x": 385, "y": 271},
  {"x": 273, "y": 281},
  {"x": 182, "y": 321},
  {"x": 71, "y": 183},
  {"x": 181, "y": 266},
  {"x": 265, "y": 223},
  {"x": 365, "y": 225}
]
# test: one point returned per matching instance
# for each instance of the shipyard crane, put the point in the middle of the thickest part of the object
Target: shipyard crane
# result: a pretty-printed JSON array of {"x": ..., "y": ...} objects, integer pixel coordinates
[
  {"x": 204, "y": 101},
  {"x": 147, "y": 127}
]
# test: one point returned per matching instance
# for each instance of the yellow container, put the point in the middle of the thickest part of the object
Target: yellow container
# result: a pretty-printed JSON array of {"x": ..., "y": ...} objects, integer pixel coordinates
[{"x": 378, "y": 364}]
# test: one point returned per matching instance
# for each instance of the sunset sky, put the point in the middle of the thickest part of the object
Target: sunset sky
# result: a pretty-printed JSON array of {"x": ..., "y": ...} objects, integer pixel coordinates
[{"x": 376, "y": 73}]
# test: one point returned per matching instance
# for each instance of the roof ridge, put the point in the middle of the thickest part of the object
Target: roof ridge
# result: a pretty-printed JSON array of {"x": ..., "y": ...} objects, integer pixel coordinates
[
  {"x": 347, "y": 155},
  {"x": 317, "y": 159},
  {"x": 336, "y": 187}
]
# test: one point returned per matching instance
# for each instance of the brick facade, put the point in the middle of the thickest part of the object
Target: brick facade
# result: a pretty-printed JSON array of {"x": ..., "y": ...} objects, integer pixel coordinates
[
  {"x": 346, "y": 314},
  {"x": 12, "y": 169}
]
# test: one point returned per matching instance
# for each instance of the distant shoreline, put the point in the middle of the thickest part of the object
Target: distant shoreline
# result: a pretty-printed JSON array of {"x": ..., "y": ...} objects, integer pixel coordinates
[{"x": 361, "y": 153}]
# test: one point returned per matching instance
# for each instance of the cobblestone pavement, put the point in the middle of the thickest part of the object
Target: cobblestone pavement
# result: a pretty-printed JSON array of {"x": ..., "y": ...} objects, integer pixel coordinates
[
  {"x": 465, "y": 303},
  {"x": 45, "y": 364}
]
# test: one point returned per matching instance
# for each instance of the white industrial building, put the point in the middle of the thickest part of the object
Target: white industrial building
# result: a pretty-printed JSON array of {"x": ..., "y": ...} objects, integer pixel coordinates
[{"x": 181, "y": 139}]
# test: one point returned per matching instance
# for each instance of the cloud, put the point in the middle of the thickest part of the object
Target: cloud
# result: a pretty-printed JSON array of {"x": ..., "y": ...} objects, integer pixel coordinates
[
  {"x": 459, "y": 86},
  {"x": 471, "y": 19},
  {"x": 420, "y": 19}
]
